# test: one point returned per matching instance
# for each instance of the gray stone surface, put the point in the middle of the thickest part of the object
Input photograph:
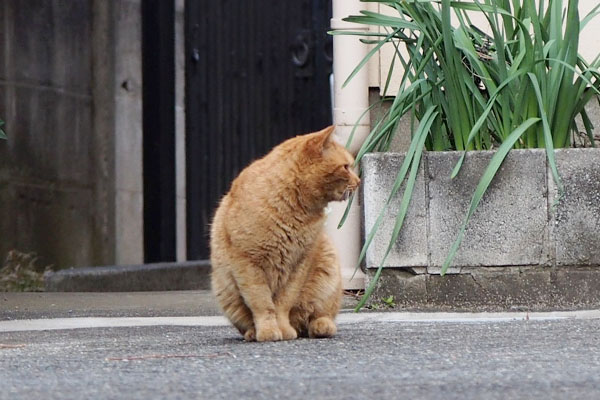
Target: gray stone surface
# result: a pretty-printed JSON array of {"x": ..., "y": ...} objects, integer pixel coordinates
[
  {"x": 577, "y": 215},
  {"x": 48, "y": 141},
  {"x": 52, "y": 222},
  {"x": 127, "y": 103},
  {"x": 379, "y": 174},
  {"x": 451, "y": 360},
  {"x": 190, "y": 275},
  {"x": 408, "y": 289},
  {"x": 402, "y": 138},
  {"x": 70, "y": 93},
  {"x": 509, "y": 227},
  {"x": 491, "y": 289},
  {"x": 593, "y": 110},
  {"x": 43, "y": 48},
  {"x": 103, "y": 134},
  {"x": 536, "y": 254},
  {"x": 45, "y": 168}
]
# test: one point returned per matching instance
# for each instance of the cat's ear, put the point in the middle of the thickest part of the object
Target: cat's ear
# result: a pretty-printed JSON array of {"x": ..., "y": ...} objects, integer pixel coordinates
[{"x": 321, "y": 139}]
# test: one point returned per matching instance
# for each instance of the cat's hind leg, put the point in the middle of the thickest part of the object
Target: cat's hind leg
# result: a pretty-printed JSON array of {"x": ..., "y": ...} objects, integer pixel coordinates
[
  {"x": 321, "y": 327},
  {"x": 231, "y": 302}
]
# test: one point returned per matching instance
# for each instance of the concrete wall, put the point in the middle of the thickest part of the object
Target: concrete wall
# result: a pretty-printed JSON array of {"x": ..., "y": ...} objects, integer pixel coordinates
[
  {"x": 126, "y": 105},
  {"x": 521, "y": 220},
  {"x": 70, "y": 93},
  {"x": 46, "y": 195},
  {"x": 524, "y": 247}
]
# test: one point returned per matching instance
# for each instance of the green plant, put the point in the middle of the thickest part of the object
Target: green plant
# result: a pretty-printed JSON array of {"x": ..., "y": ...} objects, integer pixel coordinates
[
  {"x": 389, "y": 301},
  {"x": 2, "y": 134},
  {"x": 20, "y": 273},
  {"x": 383, "y": 304},
  {"x": 520, "y": 86}
]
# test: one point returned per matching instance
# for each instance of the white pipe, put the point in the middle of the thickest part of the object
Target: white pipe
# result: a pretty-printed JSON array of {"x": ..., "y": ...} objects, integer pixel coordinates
[{"x": 350, "y": 103}]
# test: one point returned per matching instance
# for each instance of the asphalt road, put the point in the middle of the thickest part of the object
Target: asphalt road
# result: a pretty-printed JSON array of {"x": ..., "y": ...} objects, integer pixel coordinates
[{"x": 447, "y": 359}]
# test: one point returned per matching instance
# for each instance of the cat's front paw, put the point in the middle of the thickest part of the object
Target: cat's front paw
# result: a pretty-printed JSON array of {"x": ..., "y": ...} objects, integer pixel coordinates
[
  {"x": 269, "y": 332},
  {"x": 288, "y": 332}
]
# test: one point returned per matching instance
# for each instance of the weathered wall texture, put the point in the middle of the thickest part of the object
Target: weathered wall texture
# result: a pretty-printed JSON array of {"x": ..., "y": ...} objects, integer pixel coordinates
[
  {"x": 125, "y": 100},
  {"x": 520, "y": 221},
  {"x": 60, "y": 89},
  {"x": 524, "y": 245},
  {"x": 46, "y": 196}
]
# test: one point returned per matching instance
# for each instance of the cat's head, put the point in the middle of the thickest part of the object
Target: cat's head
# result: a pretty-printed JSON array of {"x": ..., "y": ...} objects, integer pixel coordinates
[{"x": 329, "y": 165}]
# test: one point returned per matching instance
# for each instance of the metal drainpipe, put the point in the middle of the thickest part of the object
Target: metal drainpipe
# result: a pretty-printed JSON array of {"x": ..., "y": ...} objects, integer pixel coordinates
[{"x": 349, "y": 104}]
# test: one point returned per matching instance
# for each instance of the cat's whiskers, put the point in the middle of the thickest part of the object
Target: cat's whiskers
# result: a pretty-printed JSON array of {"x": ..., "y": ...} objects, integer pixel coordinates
[{"x": 347, "y": 192}]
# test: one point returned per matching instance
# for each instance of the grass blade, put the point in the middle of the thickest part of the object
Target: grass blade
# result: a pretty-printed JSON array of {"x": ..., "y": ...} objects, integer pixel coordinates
[
  {"x": 366, "y": 59},
  {"x": 547, "y": 134},
  {"x": 415, "y": 162}
]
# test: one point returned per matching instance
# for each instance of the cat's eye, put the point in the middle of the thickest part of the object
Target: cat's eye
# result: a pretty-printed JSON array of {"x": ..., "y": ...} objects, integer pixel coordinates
[{"x": 347, "y": 167}]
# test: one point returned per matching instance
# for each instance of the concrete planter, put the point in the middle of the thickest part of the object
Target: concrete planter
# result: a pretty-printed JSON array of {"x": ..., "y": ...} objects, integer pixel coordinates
[{"x": 522, "y": 249}]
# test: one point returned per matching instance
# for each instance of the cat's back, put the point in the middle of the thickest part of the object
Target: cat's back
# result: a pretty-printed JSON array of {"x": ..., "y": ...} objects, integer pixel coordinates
[
  {"x": 255, "y": 199},
  {"x": 256, "y": 183}
]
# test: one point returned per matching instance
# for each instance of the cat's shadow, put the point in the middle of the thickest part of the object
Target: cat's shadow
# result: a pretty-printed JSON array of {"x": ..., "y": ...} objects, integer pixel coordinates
[{"x": 239, "y": 340}]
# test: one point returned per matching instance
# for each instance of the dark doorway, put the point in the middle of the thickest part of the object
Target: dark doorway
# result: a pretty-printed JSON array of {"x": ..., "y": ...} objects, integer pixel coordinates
[
  {"x": 257, "y": 72},
  {"x": 158, "y": 70}
]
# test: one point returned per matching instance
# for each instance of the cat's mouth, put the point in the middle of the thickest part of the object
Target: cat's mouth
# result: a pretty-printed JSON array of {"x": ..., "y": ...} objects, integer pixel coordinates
[{"x": 347, "y": 193}]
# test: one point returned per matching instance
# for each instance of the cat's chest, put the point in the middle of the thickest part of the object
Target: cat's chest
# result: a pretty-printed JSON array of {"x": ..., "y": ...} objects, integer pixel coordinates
[
  {"x": 294, "y": 238},
  {"x": 300, "y": 232}
]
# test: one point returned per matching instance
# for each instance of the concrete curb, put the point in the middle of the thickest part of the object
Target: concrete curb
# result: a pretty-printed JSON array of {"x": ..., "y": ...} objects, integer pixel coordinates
[
  {"x": 46, "y": 324},
  {"x": 481, "y": 289},
  {"x": 190, "y": 275}
]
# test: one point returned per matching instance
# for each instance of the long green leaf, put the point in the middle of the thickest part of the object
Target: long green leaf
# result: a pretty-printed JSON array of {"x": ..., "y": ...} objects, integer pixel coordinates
[
  {"x": 366, "y": 59},
  {"x": 371, "y": 18},
  {"x": 547, "y": 134},
  {"x": 415, "y": 163},
  {"x": 483, "y": 118},
  {"x": 412, "y": 150}
]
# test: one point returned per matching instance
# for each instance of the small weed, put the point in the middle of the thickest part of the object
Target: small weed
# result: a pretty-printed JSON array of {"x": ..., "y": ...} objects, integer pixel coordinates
[
  {"x": 389, "y": 301},
  {"x": 21, "y": 274},
  {"x": 385, "y": 303}
]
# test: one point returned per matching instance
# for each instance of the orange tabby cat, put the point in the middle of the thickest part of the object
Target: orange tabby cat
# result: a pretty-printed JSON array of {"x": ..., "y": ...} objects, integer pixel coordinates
[{"x": 274, "y": 271}]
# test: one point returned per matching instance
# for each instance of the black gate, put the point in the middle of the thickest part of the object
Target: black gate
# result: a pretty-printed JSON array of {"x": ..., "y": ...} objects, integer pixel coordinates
[
  {"x": 158, "y": 70},
  {"x": 257, "y": 72}
]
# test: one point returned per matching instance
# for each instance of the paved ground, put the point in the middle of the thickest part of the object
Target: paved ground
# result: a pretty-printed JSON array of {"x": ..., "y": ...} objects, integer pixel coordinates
[{"x": 374, "y": 356}]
